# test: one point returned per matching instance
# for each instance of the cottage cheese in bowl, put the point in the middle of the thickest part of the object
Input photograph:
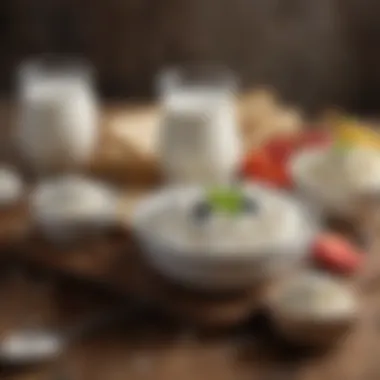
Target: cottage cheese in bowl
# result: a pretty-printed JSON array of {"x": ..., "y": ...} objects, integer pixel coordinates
[
  {"x": 335, "y": 181},
  {"x": 66, "y": 206},
  {"x": 185, "y": 238},
  {"x": 313, "y": 308},
  {"x": 316, "y": 297}
]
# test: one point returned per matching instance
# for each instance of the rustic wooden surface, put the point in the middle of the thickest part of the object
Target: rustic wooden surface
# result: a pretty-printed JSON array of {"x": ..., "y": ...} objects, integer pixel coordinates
[{"x": 155, "y": 348}]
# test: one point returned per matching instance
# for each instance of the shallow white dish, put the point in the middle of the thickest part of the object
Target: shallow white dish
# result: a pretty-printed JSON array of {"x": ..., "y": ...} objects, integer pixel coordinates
[
  {"x": 70, "y": 206},
  {"x": 220, "y": 267}
]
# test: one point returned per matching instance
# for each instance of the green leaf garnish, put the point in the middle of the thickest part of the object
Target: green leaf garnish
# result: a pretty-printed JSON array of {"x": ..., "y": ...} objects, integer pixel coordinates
[{"x": 226, "y": 200}]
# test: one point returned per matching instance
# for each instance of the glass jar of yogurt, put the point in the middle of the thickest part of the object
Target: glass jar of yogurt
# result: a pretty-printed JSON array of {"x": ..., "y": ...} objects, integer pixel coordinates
[
  {"x": 198, "y": 137},
  {"x": 57, "y": 120}
]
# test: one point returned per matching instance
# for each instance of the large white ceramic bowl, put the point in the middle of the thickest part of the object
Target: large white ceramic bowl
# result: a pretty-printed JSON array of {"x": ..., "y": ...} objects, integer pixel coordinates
[{"x": 220, "y": 265}]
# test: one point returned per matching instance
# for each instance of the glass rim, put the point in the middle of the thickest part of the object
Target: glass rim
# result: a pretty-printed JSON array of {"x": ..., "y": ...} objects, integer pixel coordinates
[
  {"x": 54, "y": 63},
  {"x": 211, "y": 72}
]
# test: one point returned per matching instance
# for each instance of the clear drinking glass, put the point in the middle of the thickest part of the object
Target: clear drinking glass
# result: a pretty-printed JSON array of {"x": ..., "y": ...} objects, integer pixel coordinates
[
  {"x": 57, "y": 119},
  {"x": 199, "y": 140}
]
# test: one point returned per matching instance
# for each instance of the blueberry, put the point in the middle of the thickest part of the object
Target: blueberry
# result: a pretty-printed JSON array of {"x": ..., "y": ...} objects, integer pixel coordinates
[
  {"x": 202, "y": 211},
  {"x": 250, "y": 206}
]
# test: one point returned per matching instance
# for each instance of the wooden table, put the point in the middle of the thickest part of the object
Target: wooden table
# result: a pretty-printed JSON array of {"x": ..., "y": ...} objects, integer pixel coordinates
[{"x": 155, "y": 348}]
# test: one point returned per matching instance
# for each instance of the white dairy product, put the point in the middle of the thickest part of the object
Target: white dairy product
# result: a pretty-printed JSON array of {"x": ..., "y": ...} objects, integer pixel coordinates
[
  {"x": 362, "y": 170},
  {"x": 336, "y": 180},
  {"x": 74, "y": 199},
  {"x": 316, "y": 296},
  {"x": 58, "y": 120},
  {"x": 199, "y": 141},
  {"x": 11, "y": 186},
  {"x": 275, "y": 223}
]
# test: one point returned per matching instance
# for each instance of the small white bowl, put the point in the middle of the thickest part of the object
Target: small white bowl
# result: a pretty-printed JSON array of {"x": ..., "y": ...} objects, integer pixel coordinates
[
  {"x": 307, "y": 323},
  {"x": 70, "y": 207},
  {"x": 213, "y": 267},
  {"x": 324, "y": 197}
]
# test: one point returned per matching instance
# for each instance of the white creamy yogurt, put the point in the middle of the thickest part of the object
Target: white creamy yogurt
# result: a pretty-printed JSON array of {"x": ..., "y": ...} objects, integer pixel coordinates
[
  {"x": 277, "y": 223},
  {"x": 11, "y": 186},
  {"x": 362, "y": 170},
  {"x": 74, "y": 199},
  {"x": 337, "y": 180},
  {"x": 314, "y": 296}
]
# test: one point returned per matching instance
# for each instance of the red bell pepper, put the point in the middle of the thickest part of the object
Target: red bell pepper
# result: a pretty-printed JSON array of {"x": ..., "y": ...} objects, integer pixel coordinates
[{"x": 335, "y": 253}]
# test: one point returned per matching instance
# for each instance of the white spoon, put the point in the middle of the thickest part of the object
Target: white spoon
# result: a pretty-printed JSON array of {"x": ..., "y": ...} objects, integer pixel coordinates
[{"x": 29, "y": 346}]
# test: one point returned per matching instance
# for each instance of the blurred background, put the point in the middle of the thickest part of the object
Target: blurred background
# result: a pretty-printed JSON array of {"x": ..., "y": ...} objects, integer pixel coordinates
[{"x": 316, "y": 53}]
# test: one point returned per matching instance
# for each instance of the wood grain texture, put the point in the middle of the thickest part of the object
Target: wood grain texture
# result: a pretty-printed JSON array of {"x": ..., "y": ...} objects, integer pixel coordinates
[{"x": 152, "y": 347}]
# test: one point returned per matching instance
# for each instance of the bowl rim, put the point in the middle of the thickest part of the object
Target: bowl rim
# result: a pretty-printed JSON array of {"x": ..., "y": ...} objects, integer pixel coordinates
[{"x": 152, "y": 202}]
